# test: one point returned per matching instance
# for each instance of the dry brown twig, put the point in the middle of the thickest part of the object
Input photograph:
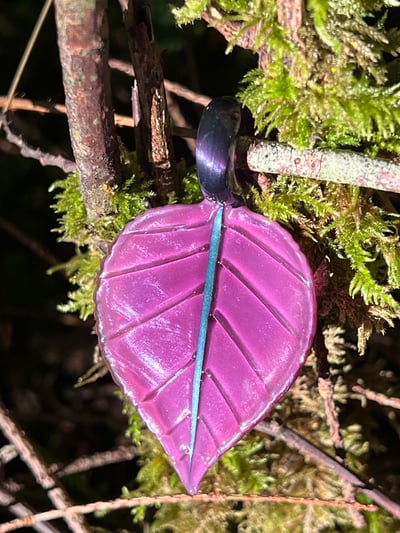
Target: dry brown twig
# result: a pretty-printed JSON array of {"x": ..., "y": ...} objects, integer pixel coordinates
[
  {"x": 326, "y": 390},
  {"x": 377, "y": 397},
  {"x": 79, "y": 465},
  {"x": 96, "y": 460},
  {"x": 178, "y": 498},
  {"x": 37, "y": 466},
  {"x": 29, "y": 242},
  {"x": 180, "y": 120},
  {"x": 24, "y": 104},
  {"x": 170, "y": 86},
  {"x": 21, "y": 510}
]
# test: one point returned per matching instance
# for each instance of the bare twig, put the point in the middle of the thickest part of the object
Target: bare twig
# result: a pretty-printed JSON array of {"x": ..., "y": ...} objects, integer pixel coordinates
[
  {"x": 38, "y": 468},
  {"x": 170, "y": 86},
  {"x": 178, "y": 498},
  {"x": 188, "y": 94},
  {"x": 326, "y": 390},
  {"x": 26, "y": 54},
  {"x": 153, "y": 132},
  {"x": 36, "y": 247},
  {"x": 82, "y": 464},
  {"x": 378, "y": 397},
  {"x": 20, "y": 509},
  {"x": 35, "y": 153},
  {"x": 24, "y": 104},
  {"x": 326, "y": 165},
  {"x": 296, "y": 441},
  {"x": 179, "y": 120},
  {"x": 83, "y": 44},
  {"x": 325, "y": 387},
  {"x": 120, "y": 120},
  {"x": 96, "y": 460}
]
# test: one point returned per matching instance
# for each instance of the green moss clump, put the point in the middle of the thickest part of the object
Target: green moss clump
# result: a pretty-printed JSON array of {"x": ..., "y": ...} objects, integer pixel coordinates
[
  {"x": 343, "y": 226},
  {"x": 91, "y": 237},
  {"x": 329, "y": 87}
]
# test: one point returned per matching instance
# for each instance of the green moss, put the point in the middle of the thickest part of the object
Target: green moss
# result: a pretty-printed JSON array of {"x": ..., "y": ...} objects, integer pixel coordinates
[
  {"x": 359, "y": 237},
  {"x": 92, "y": 237}
]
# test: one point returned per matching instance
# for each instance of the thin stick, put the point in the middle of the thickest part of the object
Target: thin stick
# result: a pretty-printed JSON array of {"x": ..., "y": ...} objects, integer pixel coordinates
[
  {"x": 28, "y": 105},
  {"x": 179, "y": 120},
  {"x": 81, "y": 464},
  {"x": 38, "y": 468},
  {"x": 21, "y": 510},
  {"x": 24, "y": 104},
  {"x": 296, "y": 441},
  {"x": 26, "y": 54},
  {"x": 96, "y": 460},
  {"x": 120, "y": 120},
  {"x": 170, "y": 86},
  {"x": 44, "y": 158},
  {"x": 178, "y": 498},
  {"x": 26, "y": 240},
  {"x": 378, "y": 397}
]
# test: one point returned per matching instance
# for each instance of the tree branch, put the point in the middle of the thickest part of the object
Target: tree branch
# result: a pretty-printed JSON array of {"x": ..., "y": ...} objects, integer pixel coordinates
[
  {"x": 327, "y": 165},
  {"x": 296, "y": 441},
  {"x": 96, "y": 460},
  {"x": 170, "y": 86},
  {"x": 83, "y": 44},
  {"x": 177, "y": 498},
  {"x": 150, "y": 113}
]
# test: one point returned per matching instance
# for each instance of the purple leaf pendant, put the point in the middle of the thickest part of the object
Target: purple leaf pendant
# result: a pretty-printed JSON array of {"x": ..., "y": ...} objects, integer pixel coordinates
[{"x": 205, "y": 315}]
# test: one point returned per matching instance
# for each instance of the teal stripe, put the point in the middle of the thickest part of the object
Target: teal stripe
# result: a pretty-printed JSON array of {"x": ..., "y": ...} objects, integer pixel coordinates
[{"x": 205, "y": 313}]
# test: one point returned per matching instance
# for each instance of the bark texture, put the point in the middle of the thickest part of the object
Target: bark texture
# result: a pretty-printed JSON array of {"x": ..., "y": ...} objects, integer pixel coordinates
[
  {"x": 83, "y": 44},
  {"x": 150, "y": 113}
]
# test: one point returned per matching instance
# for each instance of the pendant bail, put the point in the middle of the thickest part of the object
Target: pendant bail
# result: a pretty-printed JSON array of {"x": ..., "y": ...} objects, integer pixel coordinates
[{"x": 215, "y": 150}]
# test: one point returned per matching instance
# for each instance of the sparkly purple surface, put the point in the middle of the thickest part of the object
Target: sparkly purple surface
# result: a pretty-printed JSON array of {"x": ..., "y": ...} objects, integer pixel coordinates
[{"x": 262, "y": 322}]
